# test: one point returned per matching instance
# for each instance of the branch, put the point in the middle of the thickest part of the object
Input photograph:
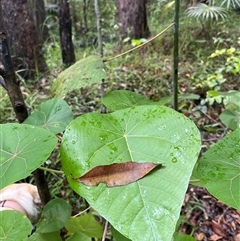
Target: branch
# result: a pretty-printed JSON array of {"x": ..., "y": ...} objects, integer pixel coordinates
[
  {"x": 7, "y": 73},
  {"x": 140, "y": 46}
]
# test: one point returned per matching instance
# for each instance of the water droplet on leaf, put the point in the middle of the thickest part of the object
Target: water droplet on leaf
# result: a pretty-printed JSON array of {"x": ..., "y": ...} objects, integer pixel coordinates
[{"x": 174, "y": 160}]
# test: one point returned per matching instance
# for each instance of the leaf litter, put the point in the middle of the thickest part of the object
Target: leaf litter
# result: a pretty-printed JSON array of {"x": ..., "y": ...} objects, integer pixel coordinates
[{"x": 117, "y": 174}]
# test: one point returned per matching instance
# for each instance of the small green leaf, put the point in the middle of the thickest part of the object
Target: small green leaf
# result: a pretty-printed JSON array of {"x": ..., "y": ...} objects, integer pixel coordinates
[
  {"x": 182, "y": 237},
  {"x": 213, "y": 93},
  {"x": 53, "y": 115},
  {"x": 188, "y": 97},
  {"x": 79, "y": 237},
  {"x": 14, "y": 226},
  {"x": 85, "y": 72},
  {"x": 231, "y": 118},
  {"x": 231, "y": 97},
  {"x": 23, "y": 148},
  {"x": 55, "y": 236},
  {"x": 54, "y": 216},
  {"x": 136, "y": 42},
  {"x": 85, "y": 224},
  {"x": 219, "y": 169}
]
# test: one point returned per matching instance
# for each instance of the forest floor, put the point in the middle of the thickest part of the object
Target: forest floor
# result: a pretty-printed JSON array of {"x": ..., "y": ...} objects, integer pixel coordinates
[
  {"x": 205, "y": 217},
  {"x": 208, "y": 219}
]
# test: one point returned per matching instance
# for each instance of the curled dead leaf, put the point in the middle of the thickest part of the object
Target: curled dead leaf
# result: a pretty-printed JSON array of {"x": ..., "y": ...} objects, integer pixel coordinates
[{"x": 117, "y": 174}]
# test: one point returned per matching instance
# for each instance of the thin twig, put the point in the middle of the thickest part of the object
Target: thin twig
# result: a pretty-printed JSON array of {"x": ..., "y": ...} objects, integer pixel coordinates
[
  {"x": 51, "y": 170},
  {"x": 194, "y": 181},
  {"x": 139, "y": 46},
  {"x": 105, "y": 231},
  {"x": 85, "y": 210},
  {"x": 210, "y": 139},
  {"x": 209, "y": 117}
]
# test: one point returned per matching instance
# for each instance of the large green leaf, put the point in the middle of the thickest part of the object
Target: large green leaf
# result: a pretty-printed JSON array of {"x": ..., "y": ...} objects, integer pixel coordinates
[
  {"x": 54, "y": 216},
  {"x": 53, "y": 115},
  {"x": 149, "y": 208},
  {"x": 14, "y": 226},
  {"x": 23, "y": 148},
  {"x": 86, "y": 71},
  {"x": 219, "y": 169},
  {"x": 121, "y": 99},
  {"x": 85, "y": 224}
]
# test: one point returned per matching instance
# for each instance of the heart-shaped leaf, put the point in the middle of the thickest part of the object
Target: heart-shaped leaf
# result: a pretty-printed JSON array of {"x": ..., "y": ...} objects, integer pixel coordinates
[
  {"x": 84, "y": 72},
  {"x": 54, "y": 216},
  {"x": 149, "y": 207},
  {"x": 78, "y": 236},
  {"x": 219, "y": 169},
  {"x": 23, "y": 148},
  {"x": 14, "y": 225},
  {"x": 85, "y": 224},
  {"x": 53, "y": 115}
]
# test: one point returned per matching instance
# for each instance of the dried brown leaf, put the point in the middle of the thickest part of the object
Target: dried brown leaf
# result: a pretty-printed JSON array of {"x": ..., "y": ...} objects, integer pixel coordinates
[
  {"x": 217, "y": 228},
  {"x": 117, "y": 174}
]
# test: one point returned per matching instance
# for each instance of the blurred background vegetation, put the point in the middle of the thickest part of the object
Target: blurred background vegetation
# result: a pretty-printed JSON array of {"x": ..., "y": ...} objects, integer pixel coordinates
[{"x": 209, "y": 52}]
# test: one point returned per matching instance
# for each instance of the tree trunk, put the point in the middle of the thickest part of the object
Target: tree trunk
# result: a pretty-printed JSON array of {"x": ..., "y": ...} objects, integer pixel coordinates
[
  {"x": 65, "y": 28},
  {"x": 40, "y": 15},
  {"x": 99, "y": 27},
  {"x": 23, "y": 38},
  {"x": 12, "y": 85},
  {"x": 132, "y": 18},
  {"x": 8, "y": 76}
]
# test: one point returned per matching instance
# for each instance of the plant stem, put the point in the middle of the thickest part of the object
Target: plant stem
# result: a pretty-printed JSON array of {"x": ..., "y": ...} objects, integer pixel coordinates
[
  {"x": 175, "y": 56},
  {"x": 139, "y": 46},
  {"x": 79, "y": 214},
  {"x": 99, "y": 27},
  {"x": 51, "y": 170},
  {"x": 194, "y": 181},
  {"x": 105, "y": 231}
]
